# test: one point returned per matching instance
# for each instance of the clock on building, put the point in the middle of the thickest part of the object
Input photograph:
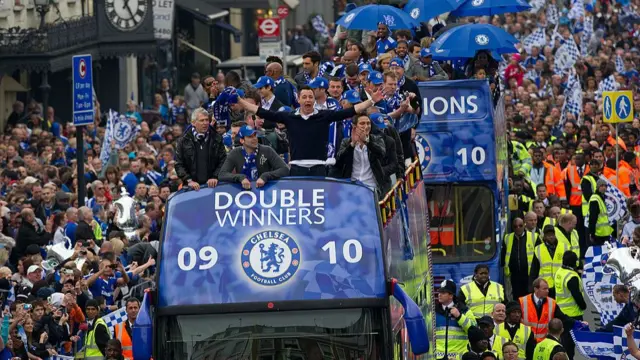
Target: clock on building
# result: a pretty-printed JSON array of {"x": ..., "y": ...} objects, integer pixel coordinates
[{"x": 126, "y": 15}]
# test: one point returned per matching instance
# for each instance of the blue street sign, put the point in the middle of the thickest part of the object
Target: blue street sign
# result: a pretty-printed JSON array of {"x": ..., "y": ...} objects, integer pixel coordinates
[
  {"x": 82, "y": 80},
  {"x": 623, "y": 106},
  {"x": 607, "y": 107}
]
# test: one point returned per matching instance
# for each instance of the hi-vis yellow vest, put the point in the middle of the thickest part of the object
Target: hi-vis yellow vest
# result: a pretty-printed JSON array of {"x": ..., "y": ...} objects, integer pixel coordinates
[
  {"x": 564, "y": 299},
  {"x": 573, "y": 242},
  {"x": 549, "y": 265},
  {"x": 603, "y": 228},
  {"x": 594, "y": 188},
  {"x": 544, "y": 349},
  {"x": 508, "y": 240},
  {"x": 91, "y": 350},
  {"x": 479, "y": 304},
  {"x": 520, "y": 338}
]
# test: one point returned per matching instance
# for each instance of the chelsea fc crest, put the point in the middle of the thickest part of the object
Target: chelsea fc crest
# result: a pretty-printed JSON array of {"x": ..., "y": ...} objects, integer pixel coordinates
[
  {"x": 424, "y": 151},
  {"x": 270, "y": 258}
]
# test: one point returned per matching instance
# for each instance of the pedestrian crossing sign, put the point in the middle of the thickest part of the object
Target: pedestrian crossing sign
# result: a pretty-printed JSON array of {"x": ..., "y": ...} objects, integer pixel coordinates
[{"x": 617, "y": 106}]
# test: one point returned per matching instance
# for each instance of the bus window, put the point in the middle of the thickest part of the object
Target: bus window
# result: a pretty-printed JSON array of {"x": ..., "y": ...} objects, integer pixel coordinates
[
  {"x": 350, "y": 334},
  {"x": 462, "y": 223}
]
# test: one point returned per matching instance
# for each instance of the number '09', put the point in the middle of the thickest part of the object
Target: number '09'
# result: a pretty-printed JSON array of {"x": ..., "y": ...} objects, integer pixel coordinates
[{"x": 188, "y": 259}]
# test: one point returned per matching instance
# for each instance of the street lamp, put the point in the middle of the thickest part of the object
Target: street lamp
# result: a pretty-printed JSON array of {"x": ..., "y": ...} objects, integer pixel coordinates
[{"x": 42, "y": 7}]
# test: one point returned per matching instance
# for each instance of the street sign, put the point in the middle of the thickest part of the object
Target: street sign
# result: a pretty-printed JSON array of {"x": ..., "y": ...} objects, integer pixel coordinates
[
  {"x": 617, "y": 106},
  {"x": 268, "y": 28},
  {"x": 283, "y": 11},
  {"x": 82, "y": 81}
]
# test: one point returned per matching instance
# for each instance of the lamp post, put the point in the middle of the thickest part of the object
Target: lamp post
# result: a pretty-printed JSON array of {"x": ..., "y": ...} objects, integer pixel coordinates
[{"x": 42, "y": 7}]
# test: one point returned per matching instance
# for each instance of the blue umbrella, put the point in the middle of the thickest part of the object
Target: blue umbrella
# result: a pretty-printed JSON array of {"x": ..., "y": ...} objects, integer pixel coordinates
[
  {"x": 464, "y": 41},
  {"x": 367, "y": 18},
  {"x": 425, "y": 10},
  {"x": 490, "y": 7}
]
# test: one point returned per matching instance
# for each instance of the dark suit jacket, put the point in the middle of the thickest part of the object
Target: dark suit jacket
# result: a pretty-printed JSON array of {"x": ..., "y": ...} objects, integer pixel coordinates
[{"x": 270, "y": 165}]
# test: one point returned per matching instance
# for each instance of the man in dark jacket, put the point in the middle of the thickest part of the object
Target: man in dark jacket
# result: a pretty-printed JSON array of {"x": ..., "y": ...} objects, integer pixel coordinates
[
  {"x": 252, "y": 162},
  {"x": 29, "y": 233},
  {"x": 360, "y": 157},
  {"x": 84, "y": 231},
  {"x": 200, "y": 152},
  {"x": 629, "y": 312}
]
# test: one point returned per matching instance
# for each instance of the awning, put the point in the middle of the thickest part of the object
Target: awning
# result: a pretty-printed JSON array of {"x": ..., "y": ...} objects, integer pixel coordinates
[
  {"x": 203, "y": 10},
  {"x": 242, "y": 4},
  {"x": 237, "y": 34}
]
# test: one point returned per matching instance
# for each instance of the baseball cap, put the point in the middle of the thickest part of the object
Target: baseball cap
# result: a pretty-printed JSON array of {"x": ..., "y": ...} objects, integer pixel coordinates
[
  {"x": 246, "y": 130},
  {"x": 33, "y": 268},
  {"x": 263, "y": 81},
  {"x": 364, "y": 67},
  {"x": 486, "y": 320},
  {"x": 378, "y": 120},
  {"x": 319, "y": 82},
  {"x": 352, "y": 96},
  {"x": 424, "y": 52},
  {"x": 375, "y": 77},
  {"x": 396, "y": 62},
  {"x": 156, "y": 137}
]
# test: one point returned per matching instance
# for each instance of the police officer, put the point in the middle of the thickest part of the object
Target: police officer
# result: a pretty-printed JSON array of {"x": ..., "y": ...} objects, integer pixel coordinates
[
  {"x": 548, "y": 258},
  {"x": 452, "y": 324},
  {"x": 547, "y": 348},
  {"x": 517, "y": 332},
  {"x": 599, "y": 227},
  {"x": 481, "y": 294}
]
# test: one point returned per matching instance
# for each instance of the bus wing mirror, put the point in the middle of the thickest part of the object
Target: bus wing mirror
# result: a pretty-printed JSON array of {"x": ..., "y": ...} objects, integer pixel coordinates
[{"x": 414, "y": 320}]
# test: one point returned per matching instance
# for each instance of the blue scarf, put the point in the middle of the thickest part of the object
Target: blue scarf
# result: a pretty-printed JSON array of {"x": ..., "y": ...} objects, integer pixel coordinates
[
  {"x": 250, "y": 169},
  {"x": 432, "y": 71},
  {"x": 198, "y": 136},
  {"x": 333, "y": 144},
  {"x": 401, "y": 81},
  {"x": 222, "y": 106}
]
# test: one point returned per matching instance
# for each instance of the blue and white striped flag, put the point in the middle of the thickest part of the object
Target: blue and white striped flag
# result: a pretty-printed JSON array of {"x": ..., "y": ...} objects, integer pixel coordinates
[
  {"x": 607, "y": 84},
  {"x": 573, "y": 98},
  {"x": 616, "y": 202},
  {"x": 566, "y": 56},
  {"x": 114, "y": 318},
  {"x": 620, "y": 347},
  {"x": 319, "y": 25},
  {"x": 552, "y": 14},
  {"x": 586, "y": 35},
  {"x": 598, "y": 282},
  {"x": 60, "y": 357},
  {"x": 619, "y": 63},
  {"x": 536, "y": 38},
  {"x": 536, "y": 5},
  {"x": 119, "y": 128},
  {"x": 594, "y": 345},
  {"x": 577, "y": 10}
]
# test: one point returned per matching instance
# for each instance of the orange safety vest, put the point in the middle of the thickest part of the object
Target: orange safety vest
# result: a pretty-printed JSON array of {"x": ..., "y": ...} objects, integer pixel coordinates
[
  {"x": 123, "y": 336},
  {"x": 571, "y": 173},
  {"x": 539, "y": 326},
  {"x": 442, "y": 223},
  {"x": 623, "y": 182},
  {"x": 553, "y": 181}
]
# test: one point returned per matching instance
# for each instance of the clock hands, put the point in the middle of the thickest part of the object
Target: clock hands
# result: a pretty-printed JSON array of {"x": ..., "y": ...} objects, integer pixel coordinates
[{"x": 128, "y": 8}]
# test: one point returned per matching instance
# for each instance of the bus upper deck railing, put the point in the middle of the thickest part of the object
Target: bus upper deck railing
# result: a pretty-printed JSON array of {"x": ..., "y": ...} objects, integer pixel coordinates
[{"x": 400, "y": 190}]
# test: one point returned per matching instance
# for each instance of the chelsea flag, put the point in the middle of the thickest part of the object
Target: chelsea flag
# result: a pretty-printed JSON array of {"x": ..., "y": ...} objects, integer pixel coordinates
[{"x": 617, "y": 106}]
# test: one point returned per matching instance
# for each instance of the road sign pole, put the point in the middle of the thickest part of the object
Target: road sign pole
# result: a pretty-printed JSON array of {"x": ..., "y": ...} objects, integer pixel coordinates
[
  {"x": 283, "y": 40},
  {"x": 617, "y": 159},
  {"x": 82, "y": 189}
]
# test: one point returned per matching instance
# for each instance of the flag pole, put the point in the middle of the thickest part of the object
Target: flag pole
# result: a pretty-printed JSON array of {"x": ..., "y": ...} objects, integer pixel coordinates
[{"x": 617, "y": 158}]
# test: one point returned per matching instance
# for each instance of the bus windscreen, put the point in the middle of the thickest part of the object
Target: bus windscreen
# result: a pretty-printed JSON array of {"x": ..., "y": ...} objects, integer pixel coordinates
[{"x": 292, "y": 240}]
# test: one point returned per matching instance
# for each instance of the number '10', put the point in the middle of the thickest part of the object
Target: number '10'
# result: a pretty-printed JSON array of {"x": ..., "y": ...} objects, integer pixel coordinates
[{"x": 346, "y": 251}]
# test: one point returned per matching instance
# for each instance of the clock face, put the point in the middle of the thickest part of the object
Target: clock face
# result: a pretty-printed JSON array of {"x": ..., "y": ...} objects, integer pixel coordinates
[{"x": 126, "y": 15}]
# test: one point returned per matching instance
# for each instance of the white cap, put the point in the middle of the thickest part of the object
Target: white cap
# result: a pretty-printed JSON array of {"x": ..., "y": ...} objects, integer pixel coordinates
[
  {"x": 33, "y": 268},
  {"x": 56, "y": 299}
]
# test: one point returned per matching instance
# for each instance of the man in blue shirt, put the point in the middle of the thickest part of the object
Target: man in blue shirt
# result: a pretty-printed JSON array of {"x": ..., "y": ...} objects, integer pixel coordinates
[
  {"x": 385, "y": 42},
  {"x": 104, "y": 282}
]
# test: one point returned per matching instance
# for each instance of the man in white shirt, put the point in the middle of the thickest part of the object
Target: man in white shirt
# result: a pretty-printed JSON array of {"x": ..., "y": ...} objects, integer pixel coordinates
[{"x": 360, "y": 157}]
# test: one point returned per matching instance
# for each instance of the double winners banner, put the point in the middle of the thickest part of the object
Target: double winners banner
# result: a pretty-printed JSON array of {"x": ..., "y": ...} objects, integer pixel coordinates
[{"x": 289, "y": 241}]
